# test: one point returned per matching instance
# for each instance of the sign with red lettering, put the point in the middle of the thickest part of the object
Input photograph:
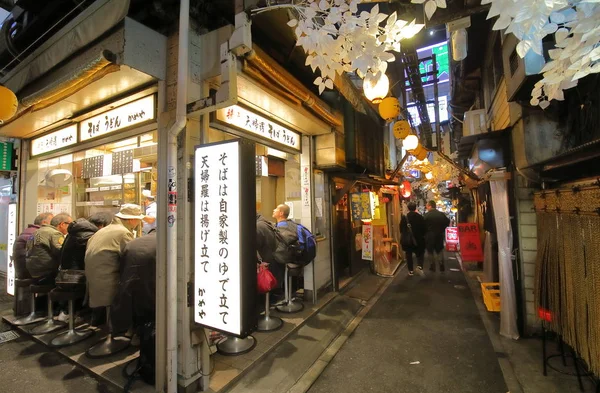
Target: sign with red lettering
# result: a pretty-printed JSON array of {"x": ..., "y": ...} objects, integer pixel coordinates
[
  {"x": 452, "y": 239},
  {"x": 470, "y": 244}
]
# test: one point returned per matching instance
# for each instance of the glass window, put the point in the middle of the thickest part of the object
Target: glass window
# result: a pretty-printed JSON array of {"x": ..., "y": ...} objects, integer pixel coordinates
[{"x": 321, "y": 207}]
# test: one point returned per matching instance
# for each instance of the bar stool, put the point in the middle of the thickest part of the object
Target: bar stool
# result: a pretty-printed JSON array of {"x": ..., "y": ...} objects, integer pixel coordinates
[
  {"x": 267, "y": 323},
  {"x": 21, "y": 305},
  {"x": 50, "y": 325},
  {"x": 290, "y": 306},
  {"x": 72, "y": 335},
  {"x": 233, "y": 346},
  {"x": 110, "y": 345},
  {"x": 33, "y": 317}
]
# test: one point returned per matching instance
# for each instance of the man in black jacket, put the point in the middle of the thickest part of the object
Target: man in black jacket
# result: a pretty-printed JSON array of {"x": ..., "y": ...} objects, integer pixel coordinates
[
  {"x": 78, "y": 233},
  {"x": 20, "y": 245},
  {"x": 435, "y": 223},
  {"x": 266, "y": 243}
]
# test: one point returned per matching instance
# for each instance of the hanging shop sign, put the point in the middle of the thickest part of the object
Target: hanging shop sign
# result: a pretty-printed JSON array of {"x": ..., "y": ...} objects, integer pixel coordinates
[
  {"x": 362, "y": 205},
  {"x": 125, "y": 116},
  {"x": 470, "y": 244},
  {"x": 12, "y": 236},
  {"x": 54, "y": 141},
  {"x": 225, "y": 234},
  {"x": 452, "y": 239},
  {"x": 367, "y": 242},
  {"x": 265, "y": 129},
  {"x": 6, "y": 156}
]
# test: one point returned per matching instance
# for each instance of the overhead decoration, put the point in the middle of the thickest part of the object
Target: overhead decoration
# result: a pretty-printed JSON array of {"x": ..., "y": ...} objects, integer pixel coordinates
[
  {"x": 401, "y": 129},
  {"x": 8, "y": 104},
  {"x": 430, "y": 6},
  {"x": 389, "y": 108},
  {"x": 337, "y": 38},
  {"x": 410, "y": 142},
  {"x": 574, "y": 24}
]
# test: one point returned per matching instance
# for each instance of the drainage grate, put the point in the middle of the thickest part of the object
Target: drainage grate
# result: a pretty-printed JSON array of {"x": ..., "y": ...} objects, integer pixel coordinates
[{"x": 8, "y": 336}]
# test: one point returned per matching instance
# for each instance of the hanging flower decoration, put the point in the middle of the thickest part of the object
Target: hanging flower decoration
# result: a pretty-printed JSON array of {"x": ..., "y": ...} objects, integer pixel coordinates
[
  {"x": 430, "y": 6},
  {"x": 438, "y": 173},
  {"x": 574, "y": 24},
  {"x": 337, "y": 38}
]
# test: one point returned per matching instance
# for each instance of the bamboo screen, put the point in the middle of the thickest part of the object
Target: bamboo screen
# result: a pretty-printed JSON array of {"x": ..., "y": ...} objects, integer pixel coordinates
[{"x": 568, "y": 268}]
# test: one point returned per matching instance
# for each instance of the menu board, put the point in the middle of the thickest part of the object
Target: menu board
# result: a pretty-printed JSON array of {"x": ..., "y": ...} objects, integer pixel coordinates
[
  {"x": 361, "y": 205},
  {"x": 122, "y": 162},
  {"x": 93, "y": 167}
]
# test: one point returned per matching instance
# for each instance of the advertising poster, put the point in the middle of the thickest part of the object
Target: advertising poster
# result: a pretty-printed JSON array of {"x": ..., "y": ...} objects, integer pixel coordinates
[
  {"x": 452, "y": 239},
  {"x": 367, "y": 242},
  {"x": 470, "y": 245}
]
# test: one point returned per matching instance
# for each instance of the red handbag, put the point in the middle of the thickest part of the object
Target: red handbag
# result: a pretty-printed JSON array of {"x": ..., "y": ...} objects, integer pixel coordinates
[{"x": 265, "y": 279}]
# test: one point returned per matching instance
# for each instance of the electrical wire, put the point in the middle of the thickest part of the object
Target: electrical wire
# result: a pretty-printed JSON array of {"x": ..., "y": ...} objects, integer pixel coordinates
[{"x": 198, "y": 355}]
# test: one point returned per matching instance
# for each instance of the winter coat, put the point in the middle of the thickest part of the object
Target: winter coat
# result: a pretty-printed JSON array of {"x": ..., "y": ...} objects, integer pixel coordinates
[
  {"x": 136, "y": 298},
  {"x": 435, "y": 224},
  {"x": 103, "y": 261},
  {"x": 265, "y": 238},
  {"x": 44, "y": 257},
  {"x": 73, "y": 250},
  {"x": 417, "y": 223},
  {"x": 19, "y": 252}
]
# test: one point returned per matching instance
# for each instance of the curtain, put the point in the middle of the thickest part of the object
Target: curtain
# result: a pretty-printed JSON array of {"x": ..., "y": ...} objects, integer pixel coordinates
[{"x": 508, "y": 310}]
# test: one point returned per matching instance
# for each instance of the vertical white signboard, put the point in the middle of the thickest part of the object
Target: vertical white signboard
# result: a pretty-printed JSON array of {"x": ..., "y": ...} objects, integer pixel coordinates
[
  {"x": 12, "y": 236},
  {"x": 218, "y": 272}
]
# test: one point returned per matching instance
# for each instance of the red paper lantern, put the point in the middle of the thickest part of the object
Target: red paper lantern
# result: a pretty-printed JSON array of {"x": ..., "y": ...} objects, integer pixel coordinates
[{"x": 406, "y": 189}]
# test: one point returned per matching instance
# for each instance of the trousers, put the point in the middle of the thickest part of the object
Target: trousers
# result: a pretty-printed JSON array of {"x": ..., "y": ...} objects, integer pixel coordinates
[{"x": 409, "y": 259}]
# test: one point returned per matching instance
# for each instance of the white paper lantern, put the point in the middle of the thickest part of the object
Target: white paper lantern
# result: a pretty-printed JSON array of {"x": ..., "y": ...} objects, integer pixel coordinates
[
  {"x": 460, "y": 42},
  {"x": 410, "y": 142},
  {"x": 378, "y": 91}
]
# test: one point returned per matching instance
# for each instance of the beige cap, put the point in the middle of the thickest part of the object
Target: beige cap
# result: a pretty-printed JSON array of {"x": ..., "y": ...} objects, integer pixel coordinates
[{"x": 130, "y": 211}]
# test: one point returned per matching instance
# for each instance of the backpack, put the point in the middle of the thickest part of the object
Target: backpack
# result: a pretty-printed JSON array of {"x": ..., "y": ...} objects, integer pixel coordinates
[
  {"x": 306, "y": 249},
  {"x": 287, "y": 247}
]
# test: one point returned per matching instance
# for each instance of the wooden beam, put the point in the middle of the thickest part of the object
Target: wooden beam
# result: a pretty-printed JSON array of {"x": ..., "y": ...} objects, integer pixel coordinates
[{"x": 442, "y": 17}]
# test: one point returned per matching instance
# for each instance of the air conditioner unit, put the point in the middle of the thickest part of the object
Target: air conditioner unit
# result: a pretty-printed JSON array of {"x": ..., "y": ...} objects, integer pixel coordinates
[
  {"x": 522, "y": 74},
  {"x": 474, "y": 122}
]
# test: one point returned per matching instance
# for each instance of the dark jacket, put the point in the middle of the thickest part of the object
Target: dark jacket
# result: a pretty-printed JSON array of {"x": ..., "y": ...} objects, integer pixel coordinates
[
  {"x": 73, "y": 250},
  {"x": 435, "y": 224},
  {"x": 417, "y": 223},
  {"x": 135, "y": 302},
  {"x": 265, "y": 239},
  {"x": 19, "y": 252},
  {"x": 44, "y": 258}
]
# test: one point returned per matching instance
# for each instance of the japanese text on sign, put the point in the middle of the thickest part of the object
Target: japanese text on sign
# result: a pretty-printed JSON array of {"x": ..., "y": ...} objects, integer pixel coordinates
[
  {"x": 470, "y": 243},
  {"x": 362, "y": 205},
  {"x": 367, "y": 242},
  {"x": 12, "y": 235},
  {"x": 117, "y": 119},
  {"x": 249, "y": 121},
  {"x": 54, "y": 141},
  {"x": 452, "y": 239},
  {"x": 217, "y": 237}
]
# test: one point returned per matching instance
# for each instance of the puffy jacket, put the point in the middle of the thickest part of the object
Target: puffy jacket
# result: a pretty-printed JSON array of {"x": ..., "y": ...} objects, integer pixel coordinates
[
  {"x": 73, "y": 250},
  {"x": 19, "y": 251},
  {"x": 44, "y": 258},
  {"x": 266, "y": 242}
]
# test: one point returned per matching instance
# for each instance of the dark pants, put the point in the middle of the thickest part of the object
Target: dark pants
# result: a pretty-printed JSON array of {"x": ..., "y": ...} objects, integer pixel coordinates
[{"x": 409, "y": 259}]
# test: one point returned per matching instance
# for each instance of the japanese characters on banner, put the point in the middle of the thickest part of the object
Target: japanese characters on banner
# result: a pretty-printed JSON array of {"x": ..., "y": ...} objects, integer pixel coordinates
[
  {"x": 217, "y": 236},
  {"x": 12, "y": 236},
  {"x": 452, "y": 239},
  {"x": 470, "y": 243},
  {"x": 54, "y": 140},
  {"x": 258, "y": 125},
  {"x": 305, "y": 184},
  {"x": 127, "y": 115},
  {"x": 367, "y": 242},
  {"x": 362, "y": 205}
]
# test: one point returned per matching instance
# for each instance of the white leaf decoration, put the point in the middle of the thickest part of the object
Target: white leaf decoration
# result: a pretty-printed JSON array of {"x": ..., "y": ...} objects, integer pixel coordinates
[
  {"x": 441, "y": 3},
  {"x": 522, "y": 48},
  {"x": 324, "y": 5},
  {"x": 329, "y": 84},
  {"x": 544, "y": 104},
  {"x": 430, "y": 8},
  {"x": 293, "y": 23}
]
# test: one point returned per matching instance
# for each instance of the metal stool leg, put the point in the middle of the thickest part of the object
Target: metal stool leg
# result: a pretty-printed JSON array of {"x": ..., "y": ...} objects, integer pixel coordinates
[
  {"x": 71, "y": 336},
  {"x": 544, "y": 360},
  {"x": 234, "y": 346},
  {"x": 32, "y": 317},
  {"x": 268, "y": 323},
  {"x": 110, "y": 345},
  {"x": 50, "y": 325},
  {"x": 290, "y": 306},
  {"x": 577, "y": 369}
]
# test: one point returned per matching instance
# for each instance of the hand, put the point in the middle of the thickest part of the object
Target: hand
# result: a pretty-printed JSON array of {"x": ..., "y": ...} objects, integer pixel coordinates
[{"x": 264, "y": 265}]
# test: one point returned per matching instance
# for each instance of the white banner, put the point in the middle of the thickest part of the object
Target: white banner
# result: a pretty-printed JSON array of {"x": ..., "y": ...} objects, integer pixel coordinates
[
  {"x": 367, "y": 242},
  {"x": 12, "y": 236}
]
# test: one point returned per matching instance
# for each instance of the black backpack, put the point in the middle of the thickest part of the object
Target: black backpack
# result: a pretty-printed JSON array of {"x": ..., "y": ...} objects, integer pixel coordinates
[
  {"x": 306, "y": 246},
  {"x": 287, "y": 247}
]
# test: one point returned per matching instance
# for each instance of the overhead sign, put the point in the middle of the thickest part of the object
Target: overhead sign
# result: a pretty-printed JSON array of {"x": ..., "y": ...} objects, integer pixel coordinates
[
  {"x": 54, "y": 141},
  {"x": 470, "y": 243},
  {"x": 12, "y": 236},
  {"x": 6, "y": 156},
  {"x": 451, "y": 239},
  {"x": 249, "y": 121},
  {"x": 125, "y": 116},
  {"x": 225, "y": 261}
]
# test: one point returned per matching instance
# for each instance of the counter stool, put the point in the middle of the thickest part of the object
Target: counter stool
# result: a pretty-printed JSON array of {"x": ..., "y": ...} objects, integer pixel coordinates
[
  {"x": 290, "y": 306},
  {"x": 50, "y": 325},
  {"x": 267, "y": 323},
  {"x": 33, "y": 317},
  {"x": 233, "y": 346},
  {"x": 110, "y": 345},
  {"x": 20, "y": 307},
  {"x": 72, "y": 335}
]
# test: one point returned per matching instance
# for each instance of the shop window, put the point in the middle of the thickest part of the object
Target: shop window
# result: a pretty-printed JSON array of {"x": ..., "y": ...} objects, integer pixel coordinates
[{"x": 321, "y": 207}]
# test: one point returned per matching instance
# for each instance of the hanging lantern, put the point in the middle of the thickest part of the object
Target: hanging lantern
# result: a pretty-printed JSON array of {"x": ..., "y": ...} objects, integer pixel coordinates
[
  {"x": 410, "y": 142},
  {"x": 375, "y": 91},
  {"x": 401, "y": 129},
  {"x": 429, "y": 176},
  {"x": 419, "y": 152},
  {"x": 406, "y": 189},
  {"x": 8, "y": 104},
  {"x": 389, "y": 108}
]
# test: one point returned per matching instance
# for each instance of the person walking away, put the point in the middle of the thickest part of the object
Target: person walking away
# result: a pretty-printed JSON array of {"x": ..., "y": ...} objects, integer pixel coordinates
[
  {"x": 19, "y": 247},
  {"x": 150, "y": 214},
  {"x": 413, "y": 223},
  {"x": 435, "y": 224},
  {"x": 103, "y": 259},
  {"x": 43, "y": 250}
]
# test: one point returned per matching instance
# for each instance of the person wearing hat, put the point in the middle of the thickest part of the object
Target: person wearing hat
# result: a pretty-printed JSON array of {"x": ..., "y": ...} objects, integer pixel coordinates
[
  {"x": 150, "y": 218},
  {"x": 103, "y": 255}
]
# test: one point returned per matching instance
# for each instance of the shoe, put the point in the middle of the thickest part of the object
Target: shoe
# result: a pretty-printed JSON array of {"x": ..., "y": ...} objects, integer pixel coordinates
[
  {"x": 442, "y": 267},
  {"x": 411, "y": 273},
  {"x": 420, "y": 271},
  {"x": 62, "y": 317}
]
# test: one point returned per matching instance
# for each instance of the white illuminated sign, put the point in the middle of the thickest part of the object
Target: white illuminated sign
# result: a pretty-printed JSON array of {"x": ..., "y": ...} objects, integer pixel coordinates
[
  {"x": 54, "y": 141},
  {"x": 12, "y": 235},
  {"x": 218, "y": 278},
  {"x": 258, "y": 125},
  {"x": 127, "y": 115}
]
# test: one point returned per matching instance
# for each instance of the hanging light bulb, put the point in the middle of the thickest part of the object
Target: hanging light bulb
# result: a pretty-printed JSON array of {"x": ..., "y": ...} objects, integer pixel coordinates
[
  {"x": 429, "y": 176},
  {"x": 410, "y": 142},
  {"x": 375, "y": 91}
]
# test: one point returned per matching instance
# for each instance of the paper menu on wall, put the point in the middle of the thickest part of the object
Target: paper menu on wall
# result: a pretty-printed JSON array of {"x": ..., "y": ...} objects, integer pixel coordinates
[
  {"x": 319, "y": 207},
  {"x": 291, "y": 206}
]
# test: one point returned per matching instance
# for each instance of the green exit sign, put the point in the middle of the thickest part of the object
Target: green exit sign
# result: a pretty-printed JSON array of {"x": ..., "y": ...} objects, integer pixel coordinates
[{"x": 6, "y": 156}]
